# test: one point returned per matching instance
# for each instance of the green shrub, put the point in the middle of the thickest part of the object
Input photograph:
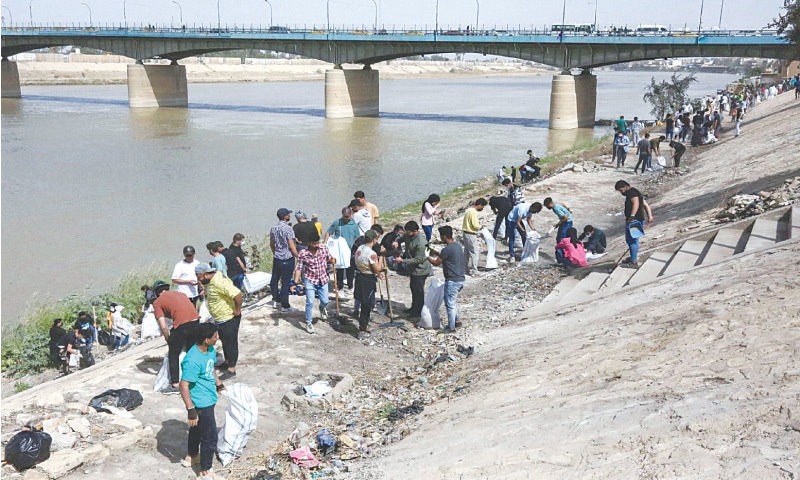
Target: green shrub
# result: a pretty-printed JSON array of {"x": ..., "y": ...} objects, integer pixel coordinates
[{"x": 21, "y": 387}]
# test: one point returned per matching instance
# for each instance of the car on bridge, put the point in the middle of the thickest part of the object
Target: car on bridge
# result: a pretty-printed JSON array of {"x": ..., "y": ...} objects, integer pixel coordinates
[
  {"x": 651, "y": 30},
  {"x": 278, "y": 29},
  {"x": 502, "y": 33}
]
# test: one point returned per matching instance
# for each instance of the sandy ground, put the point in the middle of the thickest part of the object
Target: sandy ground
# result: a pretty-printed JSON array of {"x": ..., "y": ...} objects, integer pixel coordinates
[
  {"x": 694, "y": 376},
  {"x": 60, "y": 73}
]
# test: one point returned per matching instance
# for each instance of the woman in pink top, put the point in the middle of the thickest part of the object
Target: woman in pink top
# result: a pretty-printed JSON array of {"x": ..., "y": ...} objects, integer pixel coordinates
[
  {"x": 428, "y": 211},
  {"x": 569, "y": 251}
]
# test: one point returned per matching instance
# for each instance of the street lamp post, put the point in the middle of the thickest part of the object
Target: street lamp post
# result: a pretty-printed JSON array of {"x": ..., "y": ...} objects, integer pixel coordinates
[
  {"x": 30, "y": 11},
  {"x": 270, "y": 11},
  {"x": 219, "y": 22},
  {"x": 700, "y": 24},
  {"x": 125, "y": 13},
  {"x": 436, "y": 24},
  {"x": 477, "y": 16},
  {"x": 563, "y": 19},
  {"x": 328, "y": 13},
  {"x": 595, "y": 13},
  {"x": 90, "y": 12},
  {"x": 375, "y": 29},
  {"x": 721, "y": 7},
  {"x": 10, "y": 15},
  {"x": 180, "y": 10}
]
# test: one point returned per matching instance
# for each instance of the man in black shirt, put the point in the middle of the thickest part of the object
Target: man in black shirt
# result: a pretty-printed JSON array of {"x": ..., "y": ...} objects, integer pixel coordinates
[
  {"x": 387, "y": 249},
  {"x": 69, "y": 345},
  {"x": 303, "y": 230},
  {"x": 637, "y": 214},
  {"x": 501, "y": 206},
  {"x": 678, "y": 149},
  {"x": 56, "y": 334},
  {"x": 594, "y": 239},
  {"x": 235, "y": 261}
]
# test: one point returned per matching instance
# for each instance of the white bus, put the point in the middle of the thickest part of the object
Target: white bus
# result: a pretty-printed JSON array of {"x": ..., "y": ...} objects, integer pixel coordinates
[
  {"x": 651, "y": 30},
  {"x": 573, "y": 29}
]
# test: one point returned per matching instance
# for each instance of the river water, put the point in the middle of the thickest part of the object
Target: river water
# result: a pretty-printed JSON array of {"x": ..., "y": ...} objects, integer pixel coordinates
[{"x": 92, "y": 189}]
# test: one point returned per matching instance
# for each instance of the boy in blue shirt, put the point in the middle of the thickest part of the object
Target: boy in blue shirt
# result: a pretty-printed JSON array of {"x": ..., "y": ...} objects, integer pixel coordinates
[
  {"x": 564, "y": 215},
  {"x": 199, "y": 387}
]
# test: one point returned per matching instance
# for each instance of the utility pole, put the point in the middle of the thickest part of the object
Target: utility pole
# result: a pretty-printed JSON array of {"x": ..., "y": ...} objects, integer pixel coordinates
[
  {"x": 179, "y": 10},
  {"x": 700, "y": 24},
  {"x": 375, "y": 29},
  {"x": 477, "y": 16},
  {"x": 270, "y": 12},
  {"x": 721, "y": 7}
]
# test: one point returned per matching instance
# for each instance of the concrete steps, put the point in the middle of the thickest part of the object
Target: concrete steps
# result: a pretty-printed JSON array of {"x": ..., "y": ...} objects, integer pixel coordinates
[{"x": 747, "y": 236}]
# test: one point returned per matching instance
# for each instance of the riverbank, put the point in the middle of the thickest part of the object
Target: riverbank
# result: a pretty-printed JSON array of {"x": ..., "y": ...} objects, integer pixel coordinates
[
  {"x": 113, "y": 70},
  {"x": 703, "y": 366}
]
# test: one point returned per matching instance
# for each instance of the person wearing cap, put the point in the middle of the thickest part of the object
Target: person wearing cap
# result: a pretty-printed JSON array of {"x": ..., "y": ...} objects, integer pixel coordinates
[
  {"x": 315, "y": 221},
  {"x": 284, "y": 251},
  {"x": 183, "y": 275},
  {"x": 373, "y": 210},
  {"x": 361, "y": 216},
  {"x": 312, "y": 266},
  {"x": 368, "y": 269},
  {"x": 303, "y": 230},
  {"x": 218, "y": 260},
  {"x": 178, "y": 307},
  {"x": 235, "y": 261},
  {"x": 225, "y": 305}
]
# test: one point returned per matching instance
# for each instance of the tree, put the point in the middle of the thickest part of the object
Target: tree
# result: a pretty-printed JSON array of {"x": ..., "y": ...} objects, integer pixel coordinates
[
  {"x": 664, "y": 95},
  {"x": 789, "y": 23}
]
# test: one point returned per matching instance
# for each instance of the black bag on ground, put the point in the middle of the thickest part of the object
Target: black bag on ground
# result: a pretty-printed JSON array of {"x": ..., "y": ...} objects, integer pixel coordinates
[
  {"x": 27, "y": 448},
  {"x": 122, "y": 398},
  {"x": 104, "y": 338},
  {"x": 87, "y": 357}
]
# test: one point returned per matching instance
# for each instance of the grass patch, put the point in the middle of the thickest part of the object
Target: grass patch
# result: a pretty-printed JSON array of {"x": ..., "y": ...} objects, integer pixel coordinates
[{"x": 21, "y": 387}]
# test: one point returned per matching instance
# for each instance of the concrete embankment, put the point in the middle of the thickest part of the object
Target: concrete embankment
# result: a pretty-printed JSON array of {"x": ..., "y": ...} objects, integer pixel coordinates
[{"x": 78, "y": 69}]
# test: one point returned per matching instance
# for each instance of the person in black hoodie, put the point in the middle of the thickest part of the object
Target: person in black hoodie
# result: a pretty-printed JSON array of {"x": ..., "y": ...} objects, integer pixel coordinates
[{"x": 56, "y": 332}]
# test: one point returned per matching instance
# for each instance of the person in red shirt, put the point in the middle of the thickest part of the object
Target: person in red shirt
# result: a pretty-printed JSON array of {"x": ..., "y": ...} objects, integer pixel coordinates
[
  {"x": 185, "y": 319},
  {"x": 570, "y": 251}
]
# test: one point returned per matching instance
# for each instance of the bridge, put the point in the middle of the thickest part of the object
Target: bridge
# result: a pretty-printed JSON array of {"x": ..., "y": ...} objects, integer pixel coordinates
[{"x": 354, "y": 92}]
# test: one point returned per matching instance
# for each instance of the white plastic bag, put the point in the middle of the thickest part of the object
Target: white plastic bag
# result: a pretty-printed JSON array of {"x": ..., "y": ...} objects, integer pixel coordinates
[
  {"x": 205, "y": 315},
  {"x": 433, "y": 301},
  {"x": 530, "y": 252},
  {"x": 241, "y": 419},
  {"x": 256, "y": 281},
  {"x": 340, "y": 251},
  {"x": 162, "y": 379},
  {"x": 661, "y": 161},
  {"x": 491, "y": 260},
  {"x": 150, "y": 325}
]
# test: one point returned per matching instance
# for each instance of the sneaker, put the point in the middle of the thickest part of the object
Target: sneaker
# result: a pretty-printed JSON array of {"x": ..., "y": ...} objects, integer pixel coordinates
[
  {"x": 190, "y": 460},
  {"x": 511, "y": 259},
  {"x": 288, "y": 310},
  {"x": 309, "y": 328},
  {"x": 222, "y": 366},
  {"x": 449, "y": 331},
  {"x": 171, "y": 390},
  {"x": 323, "y": 313},
  {"x": 275, "y": 304},
  {"x": 227, "y": 374},
  {"x": 630, "y": 265}
]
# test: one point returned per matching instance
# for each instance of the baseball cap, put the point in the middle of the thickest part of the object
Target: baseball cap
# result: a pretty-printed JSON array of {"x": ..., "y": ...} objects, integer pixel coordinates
[
  {"x": 188, "y": 250},
  {"x": 370, "y": 235},
  {"x": 300, "y": 214},
  {"x": 204, "y": 268},
  {"x": 160, "y": 284},
  {"x": 282, "y": 212}
]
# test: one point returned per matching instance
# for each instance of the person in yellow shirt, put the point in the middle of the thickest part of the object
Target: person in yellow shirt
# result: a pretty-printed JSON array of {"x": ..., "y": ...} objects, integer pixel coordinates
[
  {"x": 225, "y": 305},
  {"x": 471, "y": 226}
]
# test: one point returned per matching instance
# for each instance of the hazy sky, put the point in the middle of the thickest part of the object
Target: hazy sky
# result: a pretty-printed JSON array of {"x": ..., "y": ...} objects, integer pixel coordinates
[{"x": 737, "y": 14}]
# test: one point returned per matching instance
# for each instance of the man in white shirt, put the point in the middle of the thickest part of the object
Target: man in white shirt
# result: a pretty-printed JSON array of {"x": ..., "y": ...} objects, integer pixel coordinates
[
  {"x": 361, "y": 216},
  {"x": 184, "y": 277},
  {"x": 636, "y": 127}
]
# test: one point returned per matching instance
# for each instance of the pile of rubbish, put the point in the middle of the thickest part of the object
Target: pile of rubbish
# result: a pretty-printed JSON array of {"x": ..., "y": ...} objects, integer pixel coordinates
[
  {"x": 743, "y": 206},
  {"x": 580, "y": 167}
]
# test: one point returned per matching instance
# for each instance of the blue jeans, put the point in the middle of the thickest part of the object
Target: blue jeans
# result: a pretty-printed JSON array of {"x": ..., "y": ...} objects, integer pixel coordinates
[
  {"x": 633, "y": 243},
  {"x": 428, "y": 229},
  {"x": 238, "y": 281},
  {"x": 121, "y": 341},
  {"x": 203, "y": 437},
  {"x": 282, "y": 271},
  {"x": 321, "y": 291},
  {"x": 451, "y": 290},
  {"x": 562, "y": 230},
  {"x": 511, "y": 231}
]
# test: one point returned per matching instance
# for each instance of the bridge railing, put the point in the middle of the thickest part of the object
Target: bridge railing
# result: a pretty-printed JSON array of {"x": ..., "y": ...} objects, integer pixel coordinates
[{"x": 116, "y": 29}]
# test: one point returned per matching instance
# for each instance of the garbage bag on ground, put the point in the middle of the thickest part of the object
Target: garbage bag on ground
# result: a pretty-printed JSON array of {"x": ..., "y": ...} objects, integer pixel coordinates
[
  {"x": 162, "y": 379},
  {"x": 122, "y": 398},
  {"x": 104, "y": 338},
  {"x": 434, "y": 297},
  {"x": 530, "y": 252},
  {"x": 326, "y": 441},
  {"x": 256, "y": 281},
  {"x": 150, "y": 326},
  {"x": 27, "y": 448},
  {"x": 491, "y": 260},
  {"x": 241, "y": 419}
]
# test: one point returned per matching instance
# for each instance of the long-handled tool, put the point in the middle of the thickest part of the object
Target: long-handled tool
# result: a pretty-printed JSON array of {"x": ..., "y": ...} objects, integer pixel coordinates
[
  {"x": 381, "y": 307},
  {"x": 391, "y": 322},
  {"x": 336, "y": 291}
]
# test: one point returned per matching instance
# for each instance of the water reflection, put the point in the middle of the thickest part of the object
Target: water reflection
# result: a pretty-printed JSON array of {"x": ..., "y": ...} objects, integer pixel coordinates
[
  {"x": 11, "y": 106},
  {"x": 560, "y": 140},
  {"x": 157, "y": 123}
]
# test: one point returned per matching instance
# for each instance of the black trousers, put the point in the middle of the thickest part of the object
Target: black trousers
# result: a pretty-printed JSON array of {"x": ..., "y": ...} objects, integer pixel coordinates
[
  {"x": 203, "y": 437},
  {"x": 366, "y": 285},
  {"x": 501, "y": 217},
  {"x": 229, "y": 334},
  {"x": 417, "y": 294},
  {"x": 179, "y": 339},
  {"x": 340, "y": 274}
]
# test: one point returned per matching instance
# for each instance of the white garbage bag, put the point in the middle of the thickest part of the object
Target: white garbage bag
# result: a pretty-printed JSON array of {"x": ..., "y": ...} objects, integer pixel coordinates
[
  {"x": 661, "y": 161},
  {"x": 256, "y": 281},
  {"x": 150, "y": 325},
  {"x": 491, "y": 260},
  {"x": 241, "y": 419},
  {"x": 162, "y": 379},
  {"x": 340, "y": 251},
  {"x": 205, "y": 315},
  {"x": 530, "y": 252},
  {"x": 433, "y": 302}
]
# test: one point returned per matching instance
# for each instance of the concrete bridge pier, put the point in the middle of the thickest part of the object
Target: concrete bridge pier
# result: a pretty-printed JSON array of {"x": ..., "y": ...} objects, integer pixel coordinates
[
  {"x": 10, "y": 79},
  {"x": 157, "y": 86},
  {"x": 573, "y": 101},
  {"x": 352, "y": 93}
]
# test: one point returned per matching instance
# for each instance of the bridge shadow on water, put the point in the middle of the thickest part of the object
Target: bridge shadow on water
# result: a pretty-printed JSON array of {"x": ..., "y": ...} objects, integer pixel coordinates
[{"x": 312, "y": 112}]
